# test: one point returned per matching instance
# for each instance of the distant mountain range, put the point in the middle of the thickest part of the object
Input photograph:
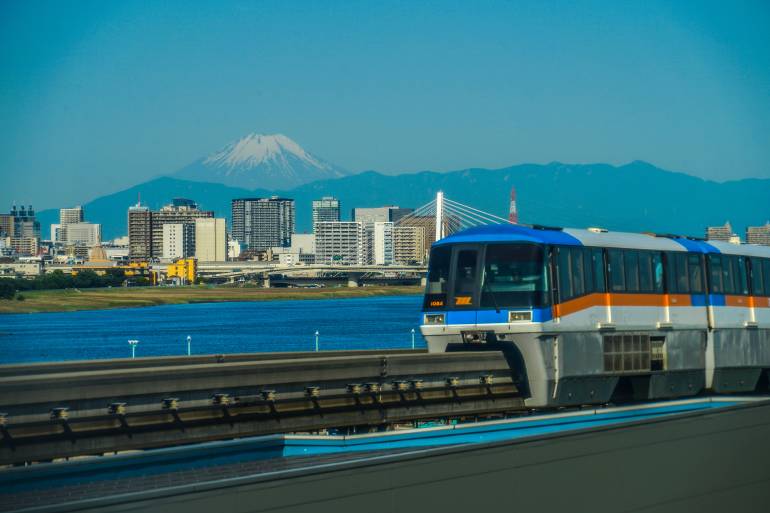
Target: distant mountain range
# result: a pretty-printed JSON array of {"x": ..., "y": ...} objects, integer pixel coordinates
[
  {"x": 264, "y": 161},
  {"x": 633, "y": 197}
]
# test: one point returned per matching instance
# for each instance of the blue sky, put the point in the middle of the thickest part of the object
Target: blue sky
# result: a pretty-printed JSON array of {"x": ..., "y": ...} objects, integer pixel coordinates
[{"x": 97, "y": 96}]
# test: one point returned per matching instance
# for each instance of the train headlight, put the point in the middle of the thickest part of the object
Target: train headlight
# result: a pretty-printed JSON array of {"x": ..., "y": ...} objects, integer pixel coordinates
[
  {"x": 520, "y": 316},
  {"x": 435, "y": 319}
]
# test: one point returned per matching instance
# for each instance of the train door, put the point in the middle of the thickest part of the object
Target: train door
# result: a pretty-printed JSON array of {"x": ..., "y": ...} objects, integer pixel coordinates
[{"x": 466, "y": 273}]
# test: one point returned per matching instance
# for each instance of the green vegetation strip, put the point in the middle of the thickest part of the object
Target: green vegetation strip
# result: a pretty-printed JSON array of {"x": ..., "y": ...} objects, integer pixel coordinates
[{"x": 69, "y": 300}]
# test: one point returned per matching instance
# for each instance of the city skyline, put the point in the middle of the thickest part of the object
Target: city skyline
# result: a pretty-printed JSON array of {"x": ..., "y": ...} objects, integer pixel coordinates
[{"x": 117, "y": 94}]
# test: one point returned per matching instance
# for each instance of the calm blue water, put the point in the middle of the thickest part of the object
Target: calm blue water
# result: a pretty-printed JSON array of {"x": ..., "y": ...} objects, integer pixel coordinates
[{"x": 360, "y": 323}]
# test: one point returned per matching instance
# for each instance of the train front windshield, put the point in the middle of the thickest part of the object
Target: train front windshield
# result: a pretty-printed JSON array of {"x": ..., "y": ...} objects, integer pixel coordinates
[{"x": 487, "y": 276}]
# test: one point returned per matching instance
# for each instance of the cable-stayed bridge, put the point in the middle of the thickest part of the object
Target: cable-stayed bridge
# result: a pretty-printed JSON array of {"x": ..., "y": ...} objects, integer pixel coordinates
[{"x": 439, "y": 218}]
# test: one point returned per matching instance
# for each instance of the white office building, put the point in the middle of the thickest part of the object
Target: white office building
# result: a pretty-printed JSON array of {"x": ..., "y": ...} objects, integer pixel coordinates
[
  {"x": 56, "y": 235},
  {"x": 178, "y": 240},
  {"x": 81, "y": 234},
  {"x": 210, "y": 239},
  {"x": 382, "y": 243}
]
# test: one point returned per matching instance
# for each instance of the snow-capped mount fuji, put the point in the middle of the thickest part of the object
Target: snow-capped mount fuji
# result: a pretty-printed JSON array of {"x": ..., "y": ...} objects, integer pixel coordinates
[{"x": 259, "y": 161}]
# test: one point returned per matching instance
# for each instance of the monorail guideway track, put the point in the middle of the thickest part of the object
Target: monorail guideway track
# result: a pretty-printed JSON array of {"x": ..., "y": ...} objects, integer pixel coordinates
[{"x": 103, "y": 407}]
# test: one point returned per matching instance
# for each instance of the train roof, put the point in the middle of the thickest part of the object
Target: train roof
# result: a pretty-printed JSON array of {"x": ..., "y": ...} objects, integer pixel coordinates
[{"x": 598, "y": 238}]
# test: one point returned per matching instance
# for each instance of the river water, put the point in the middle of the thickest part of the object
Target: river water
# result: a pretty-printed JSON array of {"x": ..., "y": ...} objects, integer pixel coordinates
[{"x": 215, "y": 328}]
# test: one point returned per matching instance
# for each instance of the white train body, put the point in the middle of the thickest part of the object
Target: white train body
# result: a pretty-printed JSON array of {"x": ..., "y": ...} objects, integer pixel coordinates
[{"x": 588, "y": 316}]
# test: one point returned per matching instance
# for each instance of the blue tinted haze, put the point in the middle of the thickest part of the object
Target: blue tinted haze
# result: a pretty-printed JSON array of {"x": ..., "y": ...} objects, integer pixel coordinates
[{"x": 95, "y": 96}]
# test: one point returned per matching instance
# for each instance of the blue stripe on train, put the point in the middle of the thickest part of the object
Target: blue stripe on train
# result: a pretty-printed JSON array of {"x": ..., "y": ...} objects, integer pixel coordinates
[
  {"x": 493, "y": 317},
  {"x": 715, "y": 300},
  {"x": 461, "y": 317}
]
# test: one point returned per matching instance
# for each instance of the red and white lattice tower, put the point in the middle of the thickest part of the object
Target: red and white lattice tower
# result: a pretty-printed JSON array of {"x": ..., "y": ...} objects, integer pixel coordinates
[{"x": 513, "y": 213}]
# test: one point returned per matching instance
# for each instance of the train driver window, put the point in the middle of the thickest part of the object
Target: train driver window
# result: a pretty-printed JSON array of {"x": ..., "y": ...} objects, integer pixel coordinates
[
  {"x": 465, "y": 277},
  {"x": 438, "y": 277}
]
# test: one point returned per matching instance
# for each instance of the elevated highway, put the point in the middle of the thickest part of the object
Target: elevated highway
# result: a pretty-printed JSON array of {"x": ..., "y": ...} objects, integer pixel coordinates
[{"x": 232, "y": 271}]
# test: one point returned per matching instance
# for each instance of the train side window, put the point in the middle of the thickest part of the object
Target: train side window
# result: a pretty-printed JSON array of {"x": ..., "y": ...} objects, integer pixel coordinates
[
  {"x": 716, "y": 275},
  {"x": 564, "y": 274},
  {"x": 671, "y": 273},
  {"x": 589, "y": 270},
  {"x": 578, "y": 272},
  {"x": 757, "y": 287},
  {"x": 681, "y": 274},
  {"x": 597, "y": 262},
  {"x": 766, "y": 274},
  {"x": 728, "y": 276},
  {"x": 645, "y": 271},
  {"x": 632, "y": 270},
  {"x": 617, "y": 276},
  {"x": 741, "y": 283},
  {"x": 695, "y": 273},
  {"x": 657, "y": 272}
]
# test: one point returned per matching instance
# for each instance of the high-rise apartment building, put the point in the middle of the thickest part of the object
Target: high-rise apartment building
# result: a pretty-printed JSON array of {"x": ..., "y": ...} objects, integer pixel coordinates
[
  {"x": 263, "y": 223},
  {"x": 145, "y": 227},
  {"x": 382, "y": 243},
  {"x": 758, "y": 234},
  {"x": 723, "y": 233},
  {"x": 326, "y": 209},
  {"x": 139, "y": 232},
  {"x": 409, "y": 245},
  {"x": 210, "y": 240},
  {"x": 182, "y": 211},
  {"x": 178, "y": 240},
  {"x": 339, "y": 242}
]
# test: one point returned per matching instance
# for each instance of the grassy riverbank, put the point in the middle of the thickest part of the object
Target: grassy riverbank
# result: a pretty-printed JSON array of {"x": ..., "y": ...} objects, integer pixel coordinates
[{"x": 69, "y": 300}]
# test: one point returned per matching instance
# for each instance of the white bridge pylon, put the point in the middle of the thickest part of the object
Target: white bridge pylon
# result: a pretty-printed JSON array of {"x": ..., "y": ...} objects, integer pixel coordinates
[{"x": 442, "y": 217}]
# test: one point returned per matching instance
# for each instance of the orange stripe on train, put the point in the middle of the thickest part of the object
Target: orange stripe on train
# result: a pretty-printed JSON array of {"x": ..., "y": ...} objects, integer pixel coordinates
[
  {"x": 591, "y": 300},
  {"x": 659, "y": 300}
]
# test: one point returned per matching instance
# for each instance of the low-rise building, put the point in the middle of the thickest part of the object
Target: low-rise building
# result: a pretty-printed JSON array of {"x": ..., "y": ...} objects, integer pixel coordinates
[
  {"x": 758, "y": 234},
  {"x": 184, "y": 270},
  {"x": 722, "y": 233},
  {"x": 23, "y": 246},
  {"x": 21, "y": 269}
]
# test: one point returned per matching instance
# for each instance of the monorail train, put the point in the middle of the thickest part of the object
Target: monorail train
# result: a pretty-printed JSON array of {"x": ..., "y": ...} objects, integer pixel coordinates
[{"x": 588, "y": 316}]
